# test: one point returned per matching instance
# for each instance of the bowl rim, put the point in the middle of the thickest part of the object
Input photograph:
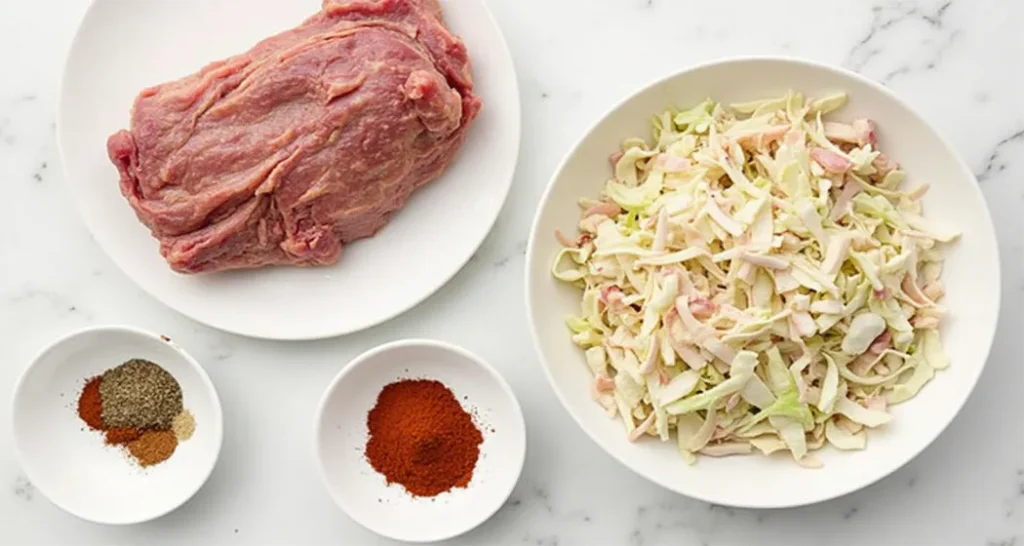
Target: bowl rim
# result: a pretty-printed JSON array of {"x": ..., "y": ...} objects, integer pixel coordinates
[
  {"x": 211, "y": 390},
  {"x": 368, "y": 355},
  {"x": 813, "y": 497}
]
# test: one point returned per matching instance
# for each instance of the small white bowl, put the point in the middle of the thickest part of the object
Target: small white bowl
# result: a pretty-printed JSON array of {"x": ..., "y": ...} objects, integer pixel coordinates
[
  {"x": 389, "y": 510},
  {"x": 71, "y": 465},
  {"x": 971, "y": 277}
]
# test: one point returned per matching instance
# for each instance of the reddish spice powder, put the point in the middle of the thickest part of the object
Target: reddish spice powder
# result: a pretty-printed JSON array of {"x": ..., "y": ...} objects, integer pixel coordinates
[
  {"x": 119, "y": 436},
  {"x": 90, "y": 407},
  {"x": 153, "y": 446},
  {"x": 421, "y": 438}
]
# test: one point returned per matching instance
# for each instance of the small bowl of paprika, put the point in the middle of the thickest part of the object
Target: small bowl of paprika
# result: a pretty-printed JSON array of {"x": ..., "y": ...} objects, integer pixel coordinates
[
  {"x": 116, "y": 425},
  {"x": 420, "y": 440}
]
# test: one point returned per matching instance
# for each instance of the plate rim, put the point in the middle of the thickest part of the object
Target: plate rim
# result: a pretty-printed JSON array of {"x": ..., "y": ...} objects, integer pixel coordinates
[
  {"x": 817, "y": 496},
  {"x": 325, "y": 333}
]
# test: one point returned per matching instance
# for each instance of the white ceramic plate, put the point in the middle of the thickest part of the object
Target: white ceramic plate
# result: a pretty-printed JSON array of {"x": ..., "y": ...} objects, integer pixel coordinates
[
  {"x": 971, "y": 277},
  {"x": 71, "y": 466},
  {"x": 390, "y": 511},
  {"x": 422, "y": 247}
]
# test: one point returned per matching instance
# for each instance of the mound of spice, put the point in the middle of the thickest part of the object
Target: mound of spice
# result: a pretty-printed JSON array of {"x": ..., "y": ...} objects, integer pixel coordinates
[
  {"x": 422, "y": 438},
  {"x": 137, "y": 405}
]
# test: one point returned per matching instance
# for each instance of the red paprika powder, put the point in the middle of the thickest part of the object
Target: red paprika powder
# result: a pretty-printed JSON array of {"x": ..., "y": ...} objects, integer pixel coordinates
[
  {"x": 120, "y": 436},
  {"x": 90, "y": 407},
  {"x": 421, "y": 438}
]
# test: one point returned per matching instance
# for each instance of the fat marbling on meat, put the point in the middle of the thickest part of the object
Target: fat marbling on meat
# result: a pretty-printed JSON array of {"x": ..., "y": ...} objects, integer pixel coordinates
[{"x": 311, "y": 139}]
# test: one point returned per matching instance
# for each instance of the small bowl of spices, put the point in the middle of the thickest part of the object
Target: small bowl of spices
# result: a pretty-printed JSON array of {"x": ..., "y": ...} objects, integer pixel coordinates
[
  {"x": 116, "y": 425},
  {"x": 420, "y": 440}
]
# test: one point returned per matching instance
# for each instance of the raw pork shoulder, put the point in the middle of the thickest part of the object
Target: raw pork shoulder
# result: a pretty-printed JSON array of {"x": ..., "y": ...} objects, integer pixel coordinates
[{"x": 311, "y": 139}]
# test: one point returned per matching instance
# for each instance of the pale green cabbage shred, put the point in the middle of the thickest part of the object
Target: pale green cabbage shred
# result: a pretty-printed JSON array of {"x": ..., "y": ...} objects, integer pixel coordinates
[{"x": 755, "y": 280}]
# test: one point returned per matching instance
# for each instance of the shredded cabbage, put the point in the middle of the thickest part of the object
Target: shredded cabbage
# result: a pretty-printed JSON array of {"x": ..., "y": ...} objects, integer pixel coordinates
[{"x": 753, "y": 279}]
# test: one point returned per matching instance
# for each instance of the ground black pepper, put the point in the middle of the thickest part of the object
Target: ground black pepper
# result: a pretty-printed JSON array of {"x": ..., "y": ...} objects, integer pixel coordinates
[{"x": 139, "y": 394}]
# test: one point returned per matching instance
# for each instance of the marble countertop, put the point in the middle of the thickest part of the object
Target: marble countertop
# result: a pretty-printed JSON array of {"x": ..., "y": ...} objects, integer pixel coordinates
[{"x": 958, "y": 62}]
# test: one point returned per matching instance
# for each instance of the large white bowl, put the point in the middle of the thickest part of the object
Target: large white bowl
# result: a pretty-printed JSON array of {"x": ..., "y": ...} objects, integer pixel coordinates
[{"x": 971, "y": 277}]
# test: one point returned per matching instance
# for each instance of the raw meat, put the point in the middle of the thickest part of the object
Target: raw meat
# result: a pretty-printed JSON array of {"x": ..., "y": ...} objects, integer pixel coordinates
[{"x": 311, "y": 139}]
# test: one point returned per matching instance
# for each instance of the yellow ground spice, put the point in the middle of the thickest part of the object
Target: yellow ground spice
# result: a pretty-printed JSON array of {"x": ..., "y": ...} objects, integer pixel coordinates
[{"x": 183, "y": 425}]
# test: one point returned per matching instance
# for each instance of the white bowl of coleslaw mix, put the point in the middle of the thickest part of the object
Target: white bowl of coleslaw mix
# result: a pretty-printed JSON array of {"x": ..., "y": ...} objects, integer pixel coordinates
[{"x": 763, "y": 282}]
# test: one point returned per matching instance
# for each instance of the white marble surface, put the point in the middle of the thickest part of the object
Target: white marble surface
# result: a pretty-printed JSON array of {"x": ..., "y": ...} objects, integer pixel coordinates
[{"x": 959, "y": 62}]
